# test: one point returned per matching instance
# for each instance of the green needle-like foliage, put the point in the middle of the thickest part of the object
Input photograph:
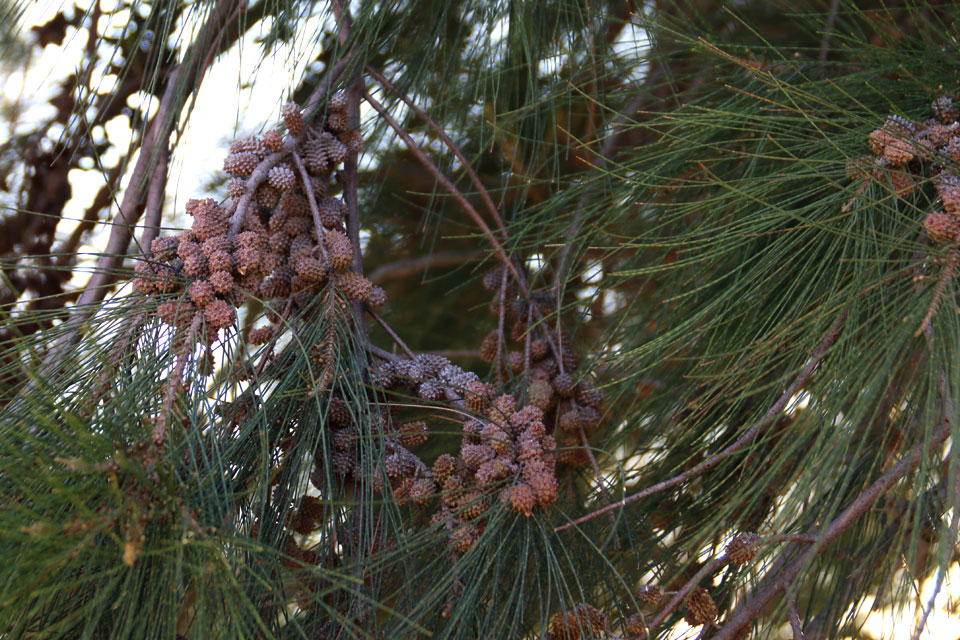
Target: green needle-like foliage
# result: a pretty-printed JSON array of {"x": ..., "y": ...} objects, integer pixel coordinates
[{"x": 670, "y": 338}]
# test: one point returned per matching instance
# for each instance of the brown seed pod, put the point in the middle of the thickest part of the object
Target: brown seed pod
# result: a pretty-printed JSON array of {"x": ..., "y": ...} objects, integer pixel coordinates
[
  {"x": 650, "y": 593},
  {"x": 282, "y": 178},
  {"x": 377, "y": 297},
  {"x": 565, "y": 385},
  {"x": 202, "y": 293},
  {"x": 340, "y": 250},
  {"x": 944, "y": 110},
  {"x": 743, "y": 548},
  {"x": 488, "y": 348},
  {"x": 942, "y": 228},
  {"x": 240, "y": 164},
  {"x": 522, "y": 498},
  {"x": 261, "y": 335},
  {"x": 273, "y": 140},
  {"x": 292, "y": 118},
  {"x": 634, "y": 627},
  {"x": 219, "y": 314},
  {"x": 355, "y": 286},
  {"x": 443, "y": 468},
  {"x": 310, "y": 269},
  {"x": 701, "y": 609}
]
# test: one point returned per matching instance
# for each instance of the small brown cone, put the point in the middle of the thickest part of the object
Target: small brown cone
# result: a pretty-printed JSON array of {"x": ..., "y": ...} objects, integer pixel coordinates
[
  {"x": 650, "y": 593},
  {"x": 701, "y": 609},
  {"x": 743, "y": 548}
]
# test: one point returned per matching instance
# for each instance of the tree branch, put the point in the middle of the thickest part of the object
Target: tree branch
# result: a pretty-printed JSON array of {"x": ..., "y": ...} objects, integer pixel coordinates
[
  {"x": 775, "y": 585},
  {"x": 805, "y": 374},
  {"x": 410, "y": 266},
  {"x": 449, "y": 186}
]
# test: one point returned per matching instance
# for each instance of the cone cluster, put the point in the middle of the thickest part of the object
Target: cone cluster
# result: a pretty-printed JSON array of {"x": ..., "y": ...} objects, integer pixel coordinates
[
  {"x": 901, "y": 149},
  {"x": 278, "y": 246}
]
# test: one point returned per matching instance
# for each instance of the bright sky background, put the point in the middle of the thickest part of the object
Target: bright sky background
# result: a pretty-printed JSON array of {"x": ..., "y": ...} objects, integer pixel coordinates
[{"x": 240, "y": 91}]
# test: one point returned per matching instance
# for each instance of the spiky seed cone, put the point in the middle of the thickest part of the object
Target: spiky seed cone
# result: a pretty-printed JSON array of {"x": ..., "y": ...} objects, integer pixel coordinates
[
  {"x": 310, "y": 269},
  {"x": 422, "y": 490},
  {"x": 650, "y": 593},
  {"x": 570, "y": 420},
  {"x": 942, "y": 228},
  {"x": 240, "y": 164},
  {"x": 413, "y": 434},
  {"x": 430, "y": 390},
  {"x": 377, "y": 297},
  {"x": 339, "y": 249},
  {"x": 493, "y": 280},
  {"x": 352, "y": 140},
  {"x": 452, "y": 487},
  {"x": 196, "y": 266},
  {"x": 953, "y": 148},
  {"x": 743, "y": 548},
  {"x": 701, "y": 609},
  {"x": 538, "y": 349},
  {"x": 476, "y": 454},
  {"x": 950, "y": 194},
  {"x": 292, "y": 118},
  {"x": 339, "y": 413},
  {"x": 236, "y": 187},
  {"x": 565, "y": 385},
  {"x": 464, "y": 537},
  {"x": 443, "y": 468},
  {"x": 516, "y": 361},
  {"x": 219, "y": 314},
  {"x": 477, "y": 395},
  {"x": 337, "y": 102},
  {"x": 544, "y": 485},
  {"x": 202, "y": 293},
  {"x": 273, "y": 140},
  {"x": 521, "y": 498},
  {"x": 338, "y": 121},
  {"x": 261, "y": 335},
  {"x": 560, "y": 628},
  {"x": 267, "y": 196},
  {"x": 282, "y": 178},
  {"x": 540, "y": 394},
  {"x": 222, "y": 282},
  {"x": 250, "y": 144},
  {"x": 633, "y": 626},
  {"x": 273, "y": 287},
  {"x": 207, "y": 226},
  {"x": 165, "y": 249},
  {"x": 488, "y": 348},
  {"x": 944, "y": 110},
  {"x": 331, "y": 212},
  {"x": 297, "y": 226},
  {"x": 356, "y": 287},
  {"x": 216, "y": 243},
  {"x": 175, "y": 313},
  {"x": 589, "y": 395},
  {"x": 592, "y": 619}
]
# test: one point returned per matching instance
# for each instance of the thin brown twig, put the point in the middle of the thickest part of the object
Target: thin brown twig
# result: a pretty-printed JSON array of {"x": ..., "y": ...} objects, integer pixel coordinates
[
  {"x": 410, "y": 266},
  {"x": 390, "y": 332},
  {"x": 805, "y": 374},
  {"x": 682, "y": 593},
  {"x": 318, "y": 225},
  {"x": 449, "y": 186},
  {"x": 948, "y": 272},
  {"x": 158, "y": 184},
  {"x": 596, "y": 470},
  {"x": 131, "y": 207},
  {"x": 795, "y": 623},
  {"x": 484, "y": 194},
  {"x": 777, "y": 584},
  {"x": 290, "y": 144}
]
